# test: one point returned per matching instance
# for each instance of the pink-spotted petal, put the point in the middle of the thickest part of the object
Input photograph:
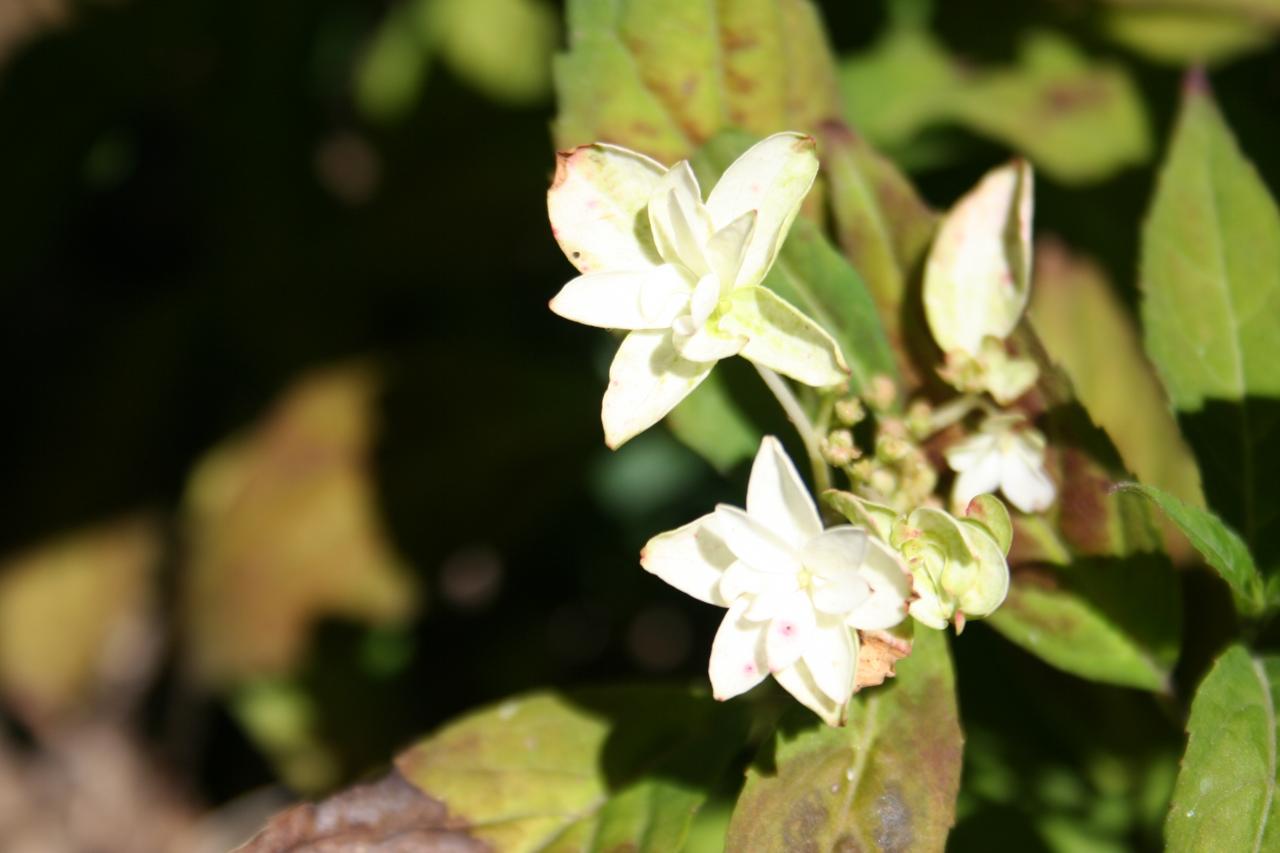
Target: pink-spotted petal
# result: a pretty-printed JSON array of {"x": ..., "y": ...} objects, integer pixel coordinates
[
  {"x": 598, "y": 193},
  {"x": 737, "y": 655},
  {"x": 790, "y": 631}
]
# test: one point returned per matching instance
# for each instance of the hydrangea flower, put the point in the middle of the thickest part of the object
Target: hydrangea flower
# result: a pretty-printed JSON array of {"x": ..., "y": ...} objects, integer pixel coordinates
[
  {"x": 795, "y": 593},
  {"x": 1003, "y": 455},
  {"x": 681, "y": 276}
]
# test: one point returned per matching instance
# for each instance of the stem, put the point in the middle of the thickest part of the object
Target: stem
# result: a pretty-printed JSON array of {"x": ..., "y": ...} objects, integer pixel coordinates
[
  {"x": 808, "y": 435},
  {"x": 953, "y": 411}
]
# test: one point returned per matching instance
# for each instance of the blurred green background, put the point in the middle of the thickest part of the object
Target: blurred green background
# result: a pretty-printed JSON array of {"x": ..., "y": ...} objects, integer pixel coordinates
[{"x": 316, "y": 229}]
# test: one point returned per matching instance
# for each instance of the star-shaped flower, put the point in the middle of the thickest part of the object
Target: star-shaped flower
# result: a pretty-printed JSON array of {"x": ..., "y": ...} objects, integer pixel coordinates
[
  {"x": 795, "y": 593},
  {"x": 683, "y": 276},
  {"x": 1003, "y": 455}
]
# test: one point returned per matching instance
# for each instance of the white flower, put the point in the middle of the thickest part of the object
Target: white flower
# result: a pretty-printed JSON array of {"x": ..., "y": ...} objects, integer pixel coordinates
[
  {"x": 977, "y": 281},
  {"x": 683, "y": 276},
  {"x": 1005, "y": 457},
  {"x": 795, "y": 592}
]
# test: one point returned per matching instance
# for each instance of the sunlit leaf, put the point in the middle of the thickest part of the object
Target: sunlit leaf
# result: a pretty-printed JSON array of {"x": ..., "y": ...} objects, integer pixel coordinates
[
  {"x": 501, "y": 47},
  {"x": 73, "y": 615},
  {"x": 1211, "y": 311},
  {"x": 1225, "y": 797},
  {"x": 1107, "y": 604},
  {"x": 712, "y": 424},
  {"x": 591, "y": 770},
  {"x": 1115, "y": 621},
  {"x": 1075, "y": 118},
  {"x": 1087, "y": 332},
  {"x": 393, "y": 68},
  {"x": 663, "y": 76},
  {"x": 886, "y": 781},
  {"x": 1186, "y": 32},
  {"x": 881, "y": 223},
  {"x": 1217, "y": 543},
  {"x": 284, "y": 530}
]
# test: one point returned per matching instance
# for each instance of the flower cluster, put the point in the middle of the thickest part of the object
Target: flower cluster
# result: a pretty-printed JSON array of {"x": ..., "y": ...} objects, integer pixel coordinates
[{"x": 682, "y": 278}]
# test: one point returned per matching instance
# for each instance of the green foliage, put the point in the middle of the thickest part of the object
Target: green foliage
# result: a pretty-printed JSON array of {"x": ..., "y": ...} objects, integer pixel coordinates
[
  {"x": 1112, "y": 621},
  {"x": 590, "y": 770},
  {"x": 501, "y": 47},
  {"x": 1211, "y": 285},
  {"x": 1090, "y": 336},
  {"x": 887, "y": 780},
  {"x": 1225, "y": 798},
  {"x": 1078, "y": 119},
  {"x": 1183, "y": 32},
  {"x": 664, "y": 77},
  {"x": 1217, "y": 543}
]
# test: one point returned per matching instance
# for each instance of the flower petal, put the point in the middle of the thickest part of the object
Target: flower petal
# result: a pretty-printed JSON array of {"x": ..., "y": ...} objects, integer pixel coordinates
[
  {"x": 835, "y": 552},
  {"x": 831, "y": 658},
  {"x": 839, "y": 595},
  {"x": 639, "y": 299},
  {"x": 737, "y": 655},
  {"x": 969, "y": 452},
  {"x": 599, "y": 193},
  {"x": 977, "y": 277},
  {"x": 772, "y": 178},
  {"x": 780, "y": 337},
  {"x": 1024, "y": 481},
  {"x": 777, "y": 497},
  {"x": 691, "y": 558},
  {"x": 771, "y": 595},
  {"x": 755, "y": 544},
  {"x": 984, "y": 476},
  {"x": 647, "y": 379},
  {"x": 727, "y": 247},
  {"x": 679, "y": 221},
  {"x": 890, "y": 589},
  {"x": 790, "y": 631},
  {"x": 705, "y": 345},
  {"x": 799, "y": 682},
  {"x": 739, "y": 580},
  {"x": 706, "y": 295}
]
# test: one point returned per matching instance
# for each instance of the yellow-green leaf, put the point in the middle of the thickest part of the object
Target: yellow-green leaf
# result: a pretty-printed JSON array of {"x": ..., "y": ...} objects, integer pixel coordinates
[
  {"x": 1211, "y": 310},
  {"x": 590, "y": 770},
  {"x": 1225, "y": 797},
  {"x": 663, "y": 76},
  {"x": 886, "y": 781}
]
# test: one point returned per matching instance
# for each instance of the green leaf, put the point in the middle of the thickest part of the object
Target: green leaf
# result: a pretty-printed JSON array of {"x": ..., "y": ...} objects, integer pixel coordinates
[
  {"x": 1211, "y": 309},
  {"x": 1182, "y": 35},
  {"x": 663, "y": 76},
  {"x": 1087, "y": 332},
  {"x": 1115, "y": 621},
  {"x": 881, "y": 224},
  {"x": 1217, "y": 543},
  {"x": 501, "y": 47},
  {"x": 1076, "y": 118},
  {"x": 713, "y": 426},
  {"x": 393, "y": 69},
  {"x": 597, "y": 769},
  {"x": 1225, "y": 796},
  {"x": 887, "y": 781}
]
